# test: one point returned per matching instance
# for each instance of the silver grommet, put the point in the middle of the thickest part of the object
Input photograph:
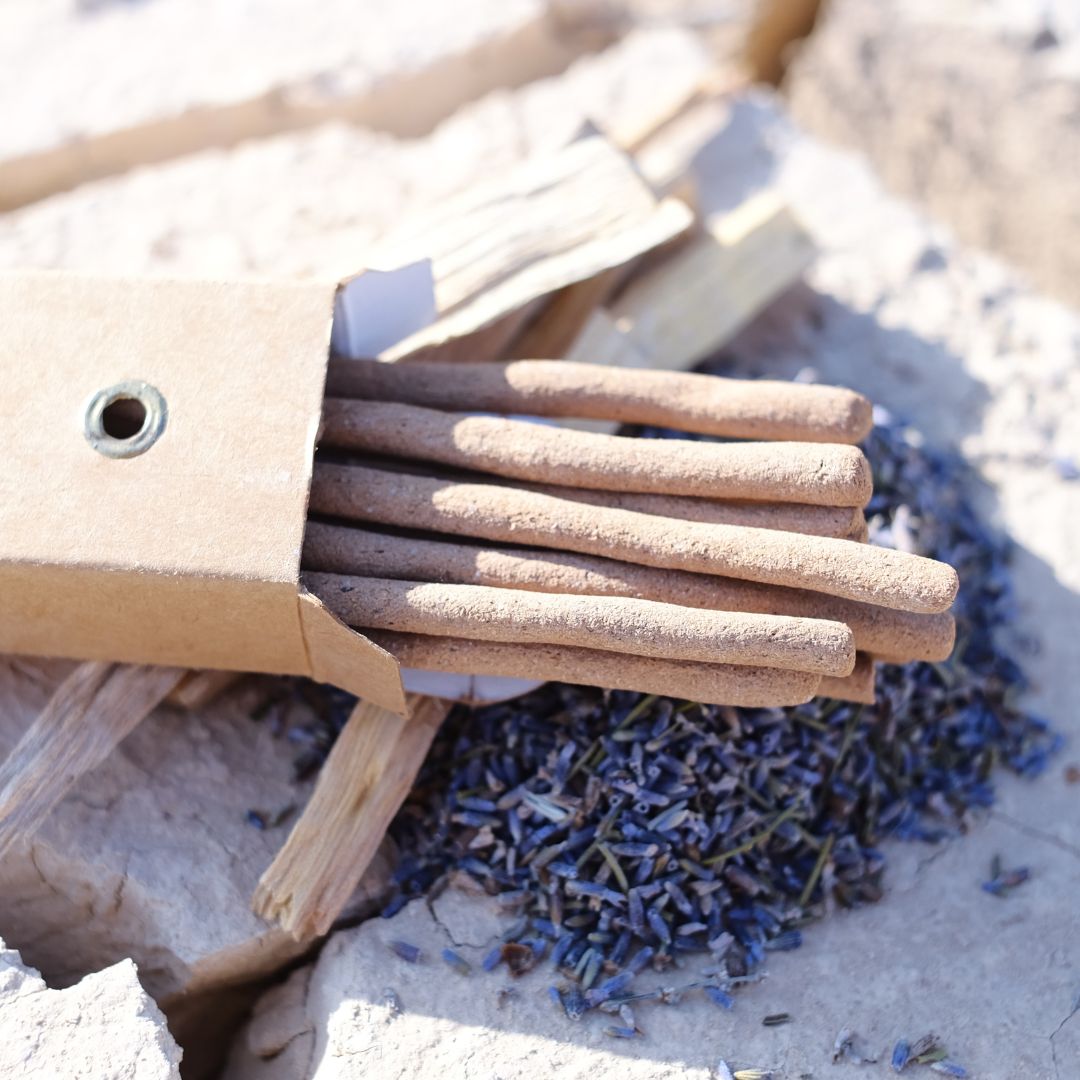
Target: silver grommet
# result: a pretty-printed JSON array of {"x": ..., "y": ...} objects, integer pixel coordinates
[{"x": 125, "y": 420}]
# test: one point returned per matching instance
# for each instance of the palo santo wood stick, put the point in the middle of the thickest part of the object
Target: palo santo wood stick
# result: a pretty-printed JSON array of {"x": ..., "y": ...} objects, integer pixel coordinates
[
  {"x": 713, "y": 684},
  {"x": 360, "y": 788},
  {"x": 340, "y": 549},
  {"x": 857, "y": 687},
  {"x": 817, "y": 473},
  {"x": 892, "y": 579},
  {"x": 199, "y": 688},
  {"x": 91, "y": 711},
  {"x": 705, "y": 404},
  {"x": 611, "y": 623}
]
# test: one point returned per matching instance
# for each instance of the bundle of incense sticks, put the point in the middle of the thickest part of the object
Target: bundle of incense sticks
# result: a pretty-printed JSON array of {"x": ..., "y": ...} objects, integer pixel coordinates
[{"x": 728, "y": 572}]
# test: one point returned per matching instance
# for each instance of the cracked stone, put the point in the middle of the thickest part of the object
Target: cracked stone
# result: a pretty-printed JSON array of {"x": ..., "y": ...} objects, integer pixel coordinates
[
  {"x": 105, "y": 1027},
  {"x": 150, "y": 857}
]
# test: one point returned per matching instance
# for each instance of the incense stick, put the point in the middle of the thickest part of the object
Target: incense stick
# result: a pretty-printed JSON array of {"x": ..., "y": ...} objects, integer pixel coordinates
[
  {"x": 817, "y": 473},
  {"x": 862, "y": 572},
  {"x": 343, "y": 549},
  {"x": 715, "y": 684},
  {"x": 611, "y": 623},
  {"x": 705, "y": 404}
]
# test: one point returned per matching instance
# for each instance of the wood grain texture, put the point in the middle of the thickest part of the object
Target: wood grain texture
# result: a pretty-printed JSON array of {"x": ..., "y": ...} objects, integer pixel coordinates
[
  {"x": 361, "y": 786},
  {"x": 91, "y": 711}
]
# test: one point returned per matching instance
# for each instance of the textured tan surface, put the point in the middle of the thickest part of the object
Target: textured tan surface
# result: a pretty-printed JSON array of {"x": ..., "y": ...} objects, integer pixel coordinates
[
  {"x": 825, "y": 475},
  {"x": 150, "y": 857},
  {"x": 836, "y": 567},
  {"x": 346, "y": 550},
  {"x": 612, "y": 623},
  {"x": 705, "y": 404},
  {"x": 720, "y": 684}
]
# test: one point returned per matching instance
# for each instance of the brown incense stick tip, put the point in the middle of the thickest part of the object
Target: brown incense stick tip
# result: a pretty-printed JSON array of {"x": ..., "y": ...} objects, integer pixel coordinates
[
  {"x": 801, "y": 472},
  {"x": 614, "y": 623},
  {"x": 705, "y": 404},
  {"x": 712, "y": 684},
  {"x": 858, "y": 687}
]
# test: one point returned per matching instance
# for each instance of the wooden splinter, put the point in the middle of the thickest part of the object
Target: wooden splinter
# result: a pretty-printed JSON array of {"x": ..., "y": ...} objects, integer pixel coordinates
[
  {"x": 704, "y": 404},
  {"x": 713, "y": 684},
  {"x": 88, "y": 715},
  {"x": 612, "y": 623},
  {"x": 817, "y": 473},
  {"x": 341, "y": 549},
  {"x": 891, "y": 579},
  {"x": 360, "y": 788}
]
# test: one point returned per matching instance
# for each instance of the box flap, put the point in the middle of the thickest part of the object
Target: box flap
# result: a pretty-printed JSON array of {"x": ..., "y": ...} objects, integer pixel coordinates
[{"x": 187, "y": 552}]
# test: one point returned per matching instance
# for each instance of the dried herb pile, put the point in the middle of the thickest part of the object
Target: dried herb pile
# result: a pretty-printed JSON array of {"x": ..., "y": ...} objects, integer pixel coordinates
[{"x": 626, "y": 830}]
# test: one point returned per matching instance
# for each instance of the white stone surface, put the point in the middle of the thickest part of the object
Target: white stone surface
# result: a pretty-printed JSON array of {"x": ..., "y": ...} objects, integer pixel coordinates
[
  {"x": 970, "y": 107},
  {"x": 105, "y": 1027},
  {"x": 90, "y": 89},
  {"x": 315, "y": 203}
]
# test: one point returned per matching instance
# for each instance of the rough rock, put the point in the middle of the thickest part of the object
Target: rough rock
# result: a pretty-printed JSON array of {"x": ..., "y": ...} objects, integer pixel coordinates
[
  {"x": 106, "y": 1027},
  {"x": 338, "y": 189},
  {"x": 151, "y": 856},
  {"x": 968, "y": 107},
  {"x": 90, "y": 89},
  {"x": 955, "y": 341}
]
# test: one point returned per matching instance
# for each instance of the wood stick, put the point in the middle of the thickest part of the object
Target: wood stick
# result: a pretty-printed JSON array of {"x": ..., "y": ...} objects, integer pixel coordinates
[
  {"x": 857, "y": 687},
  {"x": 892, "y": 579},
  {"x": 340, "y": 549},
  {"x": 705, "y": 404},
  {"x": 198, "y": 688},
  {"x": 610, "y": 623},
  {"x": 363, "y": 783},
  {"x": 817, "y": 473},
  {"x": 91, "y": 711},
  {"x": 713, "y": 684}
]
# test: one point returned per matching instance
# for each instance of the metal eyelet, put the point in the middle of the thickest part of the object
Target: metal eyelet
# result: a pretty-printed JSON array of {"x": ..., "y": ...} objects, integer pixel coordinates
[{"x": 125, "y": 420}]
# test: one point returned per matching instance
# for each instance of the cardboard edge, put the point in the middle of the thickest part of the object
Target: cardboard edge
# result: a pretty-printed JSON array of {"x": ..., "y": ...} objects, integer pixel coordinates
[{"x": 347, "y": 659}]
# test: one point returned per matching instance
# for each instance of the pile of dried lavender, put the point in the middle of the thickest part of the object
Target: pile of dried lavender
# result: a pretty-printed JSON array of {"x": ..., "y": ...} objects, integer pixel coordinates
[{"x": 626, "y": 830}]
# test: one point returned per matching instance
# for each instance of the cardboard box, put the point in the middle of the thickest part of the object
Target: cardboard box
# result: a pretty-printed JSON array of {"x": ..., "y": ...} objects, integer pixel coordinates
[{"x": 186, "y": 551}]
